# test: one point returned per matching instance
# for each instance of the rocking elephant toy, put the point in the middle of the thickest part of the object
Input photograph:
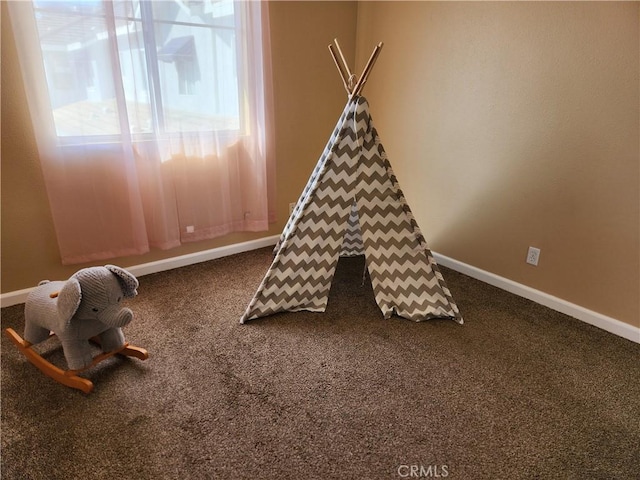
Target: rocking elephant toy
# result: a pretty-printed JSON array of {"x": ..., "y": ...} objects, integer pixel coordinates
[{"x": 86, "y": 308}]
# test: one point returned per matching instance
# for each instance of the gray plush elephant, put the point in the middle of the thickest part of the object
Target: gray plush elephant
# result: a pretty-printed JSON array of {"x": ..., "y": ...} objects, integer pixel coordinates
[{"x": 85, "y": 306}]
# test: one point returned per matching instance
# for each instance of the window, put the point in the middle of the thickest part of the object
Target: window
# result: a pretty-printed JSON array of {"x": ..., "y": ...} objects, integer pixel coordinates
[
  {"x": 147, "y": 67},
  {"x": 152, "y": 119}
]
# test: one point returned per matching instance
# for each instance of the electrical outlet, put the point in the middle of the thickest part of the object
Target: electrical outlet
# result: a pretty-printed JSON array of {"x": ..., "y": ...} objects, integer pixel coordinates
[
  {"x": 291, "y": 207},
  {"x": 533, "y": 255}
]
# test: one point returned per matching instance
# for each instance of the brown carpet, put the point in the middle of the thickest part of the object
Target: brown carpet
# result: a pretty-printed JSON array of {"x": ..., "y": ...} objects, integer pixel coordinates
[{"x": 519, "y": 391}]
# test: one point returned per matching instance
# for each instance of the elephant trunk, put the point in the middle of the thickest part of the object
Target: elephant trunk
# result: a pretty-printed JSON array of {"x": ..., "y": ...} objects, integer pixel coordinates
[{"x": 120, "y": 317}]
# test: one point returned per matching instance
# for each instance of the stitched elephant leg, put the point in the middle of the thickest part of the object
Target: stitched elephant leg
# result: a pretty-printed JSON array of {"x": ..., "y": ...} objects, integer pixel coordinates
[
  {"x": 77, "y": 353},
  {"x": 40, "y": 312},
  {"x": 111, "y": 339},
  {"x": 35, "y": 333}
]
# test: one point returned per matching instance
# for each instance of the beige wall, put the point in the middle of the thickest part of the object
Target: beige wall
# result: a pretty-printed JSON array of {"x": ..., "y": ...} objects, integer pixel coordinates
[
  {"x": 508, "y": 124},
  {"x": 515, "y": 124},
  {"x": 308, "y": 99}
]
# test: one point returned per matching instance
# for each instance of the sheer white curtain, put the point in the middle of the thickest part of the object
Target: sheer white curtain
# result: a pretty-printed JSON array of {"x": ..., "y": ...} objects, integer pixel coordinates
[{"x": 152, "y": 120}]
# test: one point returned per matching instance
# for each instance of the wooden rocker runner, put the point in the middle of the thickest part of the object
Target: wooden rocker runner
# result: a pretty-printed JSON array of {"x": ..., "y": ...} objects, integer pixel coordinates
[{"x": 70, "y": 378}]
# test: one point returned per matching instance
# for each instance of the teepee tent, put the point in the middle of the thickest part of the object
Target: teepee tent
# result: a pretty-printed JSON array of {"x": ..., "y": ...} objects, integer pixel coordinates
[{"x": 352, "y": 205}]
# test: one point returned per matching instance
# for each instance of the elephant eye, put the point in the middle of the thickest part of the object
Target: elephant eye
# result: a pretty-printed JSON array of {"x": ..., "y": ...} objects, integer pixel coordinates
[
  {"x": 94, "y": 309},
  {"x": 119, "y": 299}
]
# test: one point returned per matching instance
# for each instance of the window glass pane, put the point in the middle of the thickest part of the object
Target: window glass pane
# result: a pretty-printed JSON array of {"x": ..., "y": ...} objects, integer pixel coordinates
[
  {"x": 76, "y": 56},
  {"x": 197, "y": 69},
  {"x": 175, "y": 68},
  {"x": 215, "y": 13}
]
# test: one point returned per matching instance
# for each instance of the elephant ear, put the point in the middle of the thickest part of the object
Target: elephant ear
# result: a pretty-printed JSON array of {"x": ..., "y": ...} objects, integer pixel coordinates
[
  {"x": 68, "y": 302},
  {"x": 127, "y": 281}
]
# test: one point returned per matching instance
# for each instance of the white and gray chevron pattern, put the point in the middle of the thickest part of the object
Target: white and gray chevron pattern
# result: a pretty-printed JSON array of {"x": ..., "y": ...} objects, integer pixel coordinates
[{"x": 352, "y": 205}]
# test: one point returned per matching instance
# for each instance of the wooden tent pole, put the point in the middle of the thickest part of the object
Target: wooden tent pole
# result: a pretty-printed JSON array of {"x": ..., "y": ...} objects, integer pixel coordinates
[
  {"x": 345, "y": 72},
  {"x": 350, "y": 76},
  {"x": 367, "y": 70},
  {"x": 340, "y": 69}
]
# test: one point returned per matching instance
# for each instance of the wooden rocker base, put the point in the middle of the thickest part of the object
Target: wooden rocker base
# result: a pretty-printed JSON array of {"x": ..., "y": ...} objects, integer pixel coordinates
[{"x": 70, "y": 378}]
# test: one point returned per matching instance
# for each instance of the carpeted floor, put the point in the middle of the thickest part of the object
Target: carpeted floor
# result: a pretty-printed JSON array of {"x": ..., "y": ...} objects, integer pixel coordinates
[{"x": 517, "y": 392}]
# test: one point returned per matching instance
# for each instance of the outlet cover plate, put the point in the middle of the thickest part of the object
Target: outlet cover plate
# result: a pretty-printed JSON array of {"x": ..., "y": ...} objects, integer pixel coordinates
[{"x": 533, "y": 256}]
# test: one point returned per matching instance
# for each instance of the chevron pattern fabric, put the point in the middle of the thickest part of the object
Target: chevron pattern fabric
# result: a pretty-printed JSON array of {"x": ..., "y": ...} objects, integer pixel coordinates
[
  {"x": 352, "y": 205},
  {"x": 352, "y": 243}
]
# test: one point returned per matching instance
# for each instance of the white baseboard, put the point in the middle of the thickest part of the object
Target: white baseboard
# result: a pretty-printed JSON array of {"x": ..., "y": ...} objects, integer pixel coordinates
[
  {"x": 576, "y": 311},
  {"x": 20, "y": 296},
  {"x": 204, "y": 256},
  {"x": 14, "y": 298},
  {"x": 596, "y": 319}
]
